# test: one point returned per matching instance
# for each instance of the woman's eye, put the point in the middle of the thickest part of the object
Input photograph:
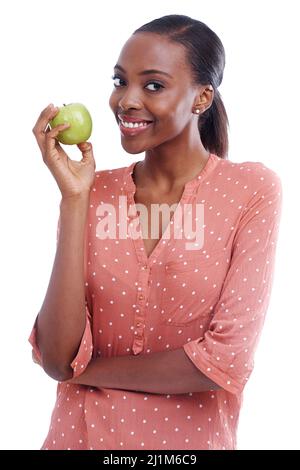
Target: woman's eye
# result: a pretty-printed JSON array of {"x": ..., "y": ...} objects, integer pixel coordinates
[
  {"x": 115, "y": 77},
  {"x": 157, "y": 84}
]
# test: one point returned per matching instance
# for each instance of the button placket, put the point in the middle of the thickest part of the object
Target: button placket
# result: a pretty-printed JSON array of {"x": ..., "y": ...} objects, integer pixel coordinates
[
  {"x": 137, "y": 241},
  {"x": 139, "y": 320}
]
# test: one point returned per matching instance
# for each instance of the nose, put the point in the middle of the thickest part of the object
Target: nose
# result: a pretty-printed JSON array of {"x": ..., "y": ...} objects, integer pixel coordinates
[{"x": 129, "y": 100}]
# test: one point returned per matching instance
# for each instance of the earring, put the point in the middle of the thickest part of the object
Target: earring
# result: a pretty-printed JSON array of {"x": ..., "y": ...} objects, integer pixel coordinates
[{"x": 197, "y": 111}]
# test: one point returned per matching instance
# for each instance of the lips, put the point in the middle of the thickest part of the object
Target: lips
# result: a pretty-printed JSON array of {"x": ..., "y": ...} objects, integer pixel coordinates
[
  {"x": 126, "y": 118},
  {"x": 132, "y": 131}
]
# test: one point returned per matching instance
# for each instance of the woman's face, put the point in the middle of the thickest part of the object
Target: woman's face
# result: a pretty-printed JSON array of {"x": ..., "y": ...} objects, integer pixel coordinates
[{"x": 166, "y": 98}]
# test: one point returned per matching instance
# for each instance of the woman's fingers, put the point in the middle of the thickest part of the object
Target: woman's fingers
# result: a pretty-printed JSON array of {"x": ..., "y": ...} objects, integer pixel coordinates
[
  {"x": 39, "y": 128},
  {"x": 86, "y": 149},
  {"x": 50, "y": 138}
]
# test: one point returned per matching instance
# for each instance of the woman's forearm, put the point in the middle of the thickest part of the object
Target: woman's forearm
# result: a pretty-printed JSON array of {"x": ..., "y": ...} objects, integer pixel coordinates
[
  {"x": 160, "y": 372},
  {"x": 61, "y": 320}
]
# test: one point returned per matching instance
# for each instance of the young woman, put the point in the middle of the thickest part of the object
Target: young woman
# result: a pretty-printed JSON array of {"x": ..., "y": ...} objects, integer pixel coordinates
[{"x": 152, "y": 338}]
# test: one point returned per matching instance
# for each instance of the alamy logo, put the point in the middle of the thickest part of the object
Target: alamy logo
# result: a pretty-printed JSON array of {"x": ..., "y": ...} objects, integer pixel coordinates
[{"x": 187, "y": 221}]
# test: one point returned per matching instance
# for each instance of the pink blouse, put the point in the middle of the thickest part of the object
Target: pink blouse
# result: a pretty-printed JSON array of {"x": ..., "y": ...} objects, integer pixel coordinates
[{"x": 210, "y": 300}]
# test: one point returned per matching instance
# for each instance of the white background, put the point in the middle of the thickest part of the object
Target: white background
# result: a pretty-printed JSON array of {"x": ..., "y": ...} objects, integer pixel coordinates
[{"x": 64, "y": 51}]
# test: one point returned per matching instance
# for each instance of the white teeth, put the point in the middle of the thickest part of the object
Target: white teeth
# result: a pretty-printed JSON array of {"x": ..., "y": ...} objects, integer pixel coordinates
[{"x": 134, "y": 124}]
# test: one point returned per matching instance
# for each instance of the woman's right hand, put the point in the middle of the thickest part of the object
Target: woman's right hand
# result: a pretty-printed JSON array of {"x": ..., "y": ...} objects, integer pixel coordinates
[{"x": 73, "y": 178}]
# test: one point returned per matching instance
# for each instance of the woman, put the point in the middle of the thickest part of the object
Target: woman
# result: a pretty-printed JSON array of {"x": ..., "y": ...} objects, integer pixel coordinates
[{"x": 152, "y": 338}]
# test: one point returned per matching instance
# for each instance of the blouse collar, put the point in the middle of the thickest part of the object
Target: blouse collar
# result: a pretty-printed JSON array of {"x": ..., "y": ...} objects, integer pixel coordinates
[{"x": 190, "y": 186}]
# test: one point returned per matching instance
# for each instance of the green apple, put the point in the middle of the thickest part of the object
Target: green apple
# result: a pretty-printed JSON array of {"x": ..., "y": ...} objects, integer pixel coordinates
[{"x": 79, "y": 118}]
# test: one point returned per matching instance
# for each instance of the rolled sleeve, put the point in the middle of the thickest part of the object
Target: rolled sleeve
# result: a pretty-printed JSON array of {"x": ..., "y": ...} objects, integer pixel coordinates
[
  {"x": 36, "y": 354},
  {"x": 85, "y": 349},
  {"x": 226, "y": 352},
  {"x": 84, "y": 353}
]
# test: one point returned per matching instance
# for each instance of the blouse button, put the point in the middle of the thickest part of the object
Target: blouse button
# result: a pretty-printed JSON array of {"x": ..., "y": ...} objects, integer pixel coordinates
[{"x": 141, "y": 297}]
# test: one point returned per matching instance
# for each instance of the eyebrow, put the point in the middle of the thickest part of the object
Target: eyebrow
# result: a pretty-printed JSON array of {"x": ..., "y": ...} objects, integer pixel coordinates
[{"x": 144, "y": 72}]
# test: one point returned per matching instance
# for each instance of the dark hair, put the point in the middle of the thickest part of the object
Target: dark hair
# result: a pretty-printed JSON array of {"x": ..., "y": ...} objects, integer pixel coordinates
[{"x": 206, "y": 55}]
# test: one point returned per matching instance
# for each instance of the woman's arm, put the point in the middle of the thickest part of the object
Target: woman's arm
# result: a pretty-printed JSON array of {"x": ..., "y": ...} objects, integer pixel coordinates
[
  {"x": 60, "y": 324},
  {"x": 160, "y": 372},
  {"x": 61, "y": 320}
]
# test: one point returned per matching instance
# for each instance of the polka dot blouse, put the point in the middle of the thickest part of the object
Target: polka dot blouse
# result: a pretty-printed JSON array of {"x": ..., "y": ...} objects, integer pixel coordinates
[{"x": 210, "y": 299}]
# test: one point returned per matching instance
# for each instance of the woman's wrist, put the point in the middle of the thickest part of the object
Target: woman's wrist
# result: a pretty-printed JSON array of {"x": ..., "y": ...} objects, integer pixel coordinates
[
  {"x": 79, "y": 200},
  {"x": 76, "y": 197}
]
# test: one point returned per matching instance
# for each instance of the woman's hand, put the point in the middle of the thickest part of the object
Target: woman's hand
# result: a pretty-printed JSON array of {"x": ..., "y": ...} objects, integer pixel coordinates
[{"x": 73, "y": 178}]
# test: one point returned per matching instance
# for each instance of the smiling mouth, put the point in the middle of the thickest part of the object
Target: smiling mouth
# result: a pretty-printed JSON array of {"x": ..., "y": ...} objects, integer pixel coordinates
[{"x": 134, "y": 128}]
